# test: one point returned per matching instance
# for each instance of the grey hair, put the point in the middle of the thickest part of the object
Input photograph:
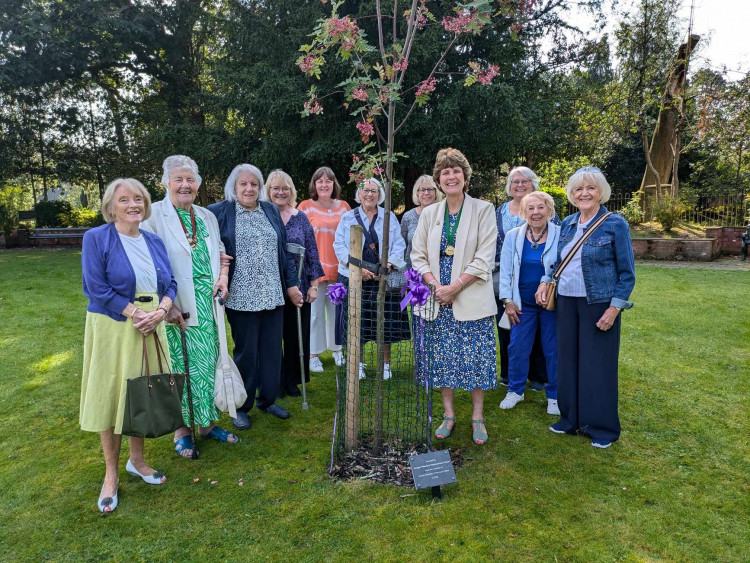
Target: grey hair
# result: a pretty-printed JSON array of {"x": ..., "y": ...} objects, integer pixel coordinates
[
  {"x": 425, "y": 179},
  {"x": 286, "y": 179},
  {"x": 179, "y": 162},
  {"x": 381, "y": 197},
  {"x": 593, "y": 175},
  {"x": 229, "y": 191},
  {"x": 547, "y": 199},
  {"x": 527, "y": 173}
]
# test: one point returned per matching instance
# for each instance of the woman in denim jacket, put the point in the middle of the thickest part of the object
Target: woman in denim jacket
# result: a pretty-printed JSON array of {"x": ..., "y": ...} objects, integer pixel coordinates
[
  {"x": 528, "y": 255},
  {"x": 592, "y": 291}
]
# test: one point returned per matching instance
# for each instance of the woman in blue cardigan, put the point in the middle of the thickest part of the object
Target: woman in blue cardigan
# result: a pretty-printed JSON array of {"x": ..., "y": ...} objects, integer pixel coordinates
[
  {"x": 129, "y": 283},
  {"x": 261, "y": 276}
]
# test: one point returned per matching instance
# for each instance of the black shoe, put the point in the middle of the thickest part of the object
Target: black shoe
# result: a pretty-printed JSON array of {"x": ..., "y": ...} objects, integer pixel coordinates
[
  {"x": 277, "y": 411},
  {"x": 241, "y": 422},
  {"x": 504, "y": 381},
  {"x": 293, "y": 391},
  {"x": 536, "y": 386}
]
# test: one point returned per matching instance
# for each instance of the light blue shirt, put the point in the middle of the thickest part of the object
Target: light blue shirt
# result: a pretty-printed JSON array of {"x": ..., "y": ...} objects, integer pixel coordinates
[
  {"x": 571, "y": 281},
  {"x": 396, "y": 249}
]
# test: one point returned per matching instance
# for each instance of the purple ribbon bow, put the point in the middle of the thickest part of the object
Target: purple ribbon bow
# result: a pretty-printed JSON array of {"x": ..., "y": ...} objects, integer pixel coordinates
[
  {"x": 336, "y": 293},
  {"x": 416, "y": 292}
]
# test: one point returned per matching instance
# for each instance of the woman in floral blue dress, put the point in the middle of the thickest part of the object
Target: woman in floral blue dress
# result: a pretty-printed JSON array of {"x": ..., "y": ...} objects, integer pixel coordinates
[{"x": 454, "y": 249}]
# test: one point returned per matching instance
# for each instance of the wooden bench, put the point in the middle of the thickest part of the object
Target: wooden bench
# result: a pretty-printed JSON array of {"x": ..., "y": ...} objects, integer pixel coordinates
[{"x": 55, "y": 237}]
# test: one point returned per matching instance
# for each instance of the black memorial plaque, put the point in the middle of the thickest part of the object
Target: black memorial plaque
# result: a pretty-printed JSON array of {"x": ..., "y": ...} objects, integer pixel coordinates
[{"x": 432, "y": 469}]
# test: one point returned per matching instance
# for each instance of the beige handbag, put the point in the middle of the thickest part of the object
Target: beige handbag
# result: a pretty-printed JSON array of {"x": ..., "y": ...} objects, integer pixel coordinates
[{"x": 229, "y": 389}]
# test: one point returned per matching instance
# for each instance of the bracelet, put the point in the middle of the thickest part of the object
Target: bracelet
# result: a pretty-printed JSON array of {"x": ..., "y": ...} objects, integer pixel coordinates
[
  {"x": 135, "y": 310},
  {"x": 224, "y": 276},
  {"x": 314, "y": 287},
  {"x": 462, "y": 283},
  {"x": 163, "y": 308}
]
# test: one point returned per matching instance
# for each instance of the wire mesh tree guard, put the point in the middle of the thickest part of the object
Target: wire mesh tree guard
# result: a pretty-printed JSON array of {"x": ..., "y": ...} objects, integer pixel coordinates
[{"x": 383, "y": 392}]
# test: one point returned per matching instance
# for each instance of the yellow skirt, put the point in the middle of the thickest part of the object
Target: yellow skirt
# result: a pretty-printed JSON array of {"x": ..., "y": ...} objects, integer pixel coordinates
[{"x": 112, "y": 354}]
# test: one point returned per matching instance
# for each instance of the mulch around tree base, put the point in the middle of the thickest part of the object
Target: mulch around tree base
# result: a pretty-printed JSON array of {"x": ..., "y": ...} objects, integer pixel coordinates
[{"x": 389, "y": 466}]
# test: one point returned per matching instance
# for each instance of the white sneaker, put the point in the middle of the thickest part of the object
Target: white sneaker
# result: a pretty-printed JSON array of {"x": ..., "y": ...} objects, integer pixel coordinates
[
  {"x": 315, "y": 365},
  {"x": 387, "y": 372},
  {"x": 362, "y": 370},
  {"x": 338, "y": 358},
  {"x": 552, "y": 407},
  {"x": 511, "y": 400}
]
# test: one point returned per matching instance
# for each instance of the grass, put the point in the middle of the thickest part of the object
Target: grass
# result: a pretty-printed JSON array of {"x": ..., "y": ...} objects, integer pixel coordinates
[{"x": 675, "y": 487}]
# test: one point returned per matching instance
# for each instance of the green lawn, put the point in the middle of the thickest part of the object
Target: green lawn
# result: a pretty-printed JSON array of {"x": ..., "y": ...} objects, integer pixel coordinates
[{"x": 675, "y": 487}]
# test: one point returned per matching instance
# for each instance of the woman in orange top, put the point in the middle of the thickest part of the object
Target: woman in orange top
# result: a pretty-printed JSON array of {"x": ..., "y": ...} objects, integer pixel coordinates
[{"x": 324, "y": 210}]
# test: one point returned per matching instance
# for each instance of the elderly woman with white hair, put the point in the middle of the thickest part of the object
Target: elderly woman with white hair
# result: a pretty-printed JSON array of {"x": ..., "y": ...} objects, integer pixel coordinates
[
  {"x": 130, "y": 287},
  {"x": 191, "y": 236},
  {"x": 529, "y": 253},
  {"x": 261, "y": 275},
  {"x": 280, "y": 190},
  {"x": 424, "y": 193},
  {"x": 370, "y": 216},
  {"x": 592, "y": 290},
  {"x": 521, "y": 181}
]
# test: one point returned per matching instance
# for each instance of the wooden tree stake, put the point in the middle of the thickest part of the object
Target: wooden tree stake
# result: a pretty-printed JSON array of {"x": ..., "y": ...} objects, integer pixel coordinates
[{"x": 354, "y": 349}]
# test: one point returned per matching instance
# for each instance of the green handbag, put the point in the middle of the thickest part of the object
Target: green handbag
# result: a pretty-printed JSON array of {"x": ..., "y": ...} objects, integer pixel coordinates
[{"x": 153, "y": 403}]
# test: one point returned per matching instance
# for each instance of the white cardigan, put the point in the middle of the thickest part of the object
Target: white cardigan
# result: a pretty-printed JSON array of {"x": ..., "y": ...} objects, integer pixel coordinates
[
  {"x": 165, "y": 222},
  {"x": 475, "y": 254}
]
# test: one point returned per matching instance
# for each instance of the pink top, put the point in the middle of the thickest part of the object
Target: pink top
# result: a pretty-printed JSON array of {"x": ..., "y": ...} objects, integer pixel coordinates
[{"x": 324, "y": 223}]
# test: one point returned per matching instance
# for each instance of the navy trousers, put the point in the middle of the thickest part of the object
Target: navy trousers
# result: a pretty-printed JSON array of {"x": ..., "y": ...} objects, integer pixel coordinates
[
  {"x": 537, "y": 363},
  {"x": 533, "y": 320},
  {"x": 587, "y": 370},
  {"x": 257, "y": 353}
]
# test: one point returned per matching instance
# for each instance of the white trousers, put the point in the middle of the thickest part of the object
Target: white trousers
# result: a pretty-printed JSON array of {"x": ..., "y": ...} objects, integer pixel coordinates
[{"x": 323, "y": 323}]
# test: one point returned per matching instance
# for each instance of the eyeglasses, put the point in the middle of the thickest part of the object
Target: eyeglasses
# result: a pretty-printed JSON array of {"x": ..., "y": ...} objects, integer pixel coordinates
[
  {"x": 369, "y": 191},
  {"x": 284, "y": 189},
  {"x": 424, "y": 190},
  {"x": 520, "y": 182},
  {"x": 588, "y": 169}
]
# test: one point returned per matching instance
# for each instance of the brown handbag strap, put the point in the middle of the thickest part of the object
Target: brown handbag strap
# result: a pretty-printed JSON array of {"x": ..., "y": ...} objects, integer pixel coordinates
[
  {"x": 590, "y": 231},
  {"x": 159, "y": 354}
]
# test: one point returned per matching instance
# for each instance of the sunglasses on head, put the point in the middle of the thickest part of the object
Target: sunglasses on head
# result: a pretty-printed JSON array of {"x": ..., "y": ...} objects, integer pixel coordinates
[{"x": 588, "y": 169}]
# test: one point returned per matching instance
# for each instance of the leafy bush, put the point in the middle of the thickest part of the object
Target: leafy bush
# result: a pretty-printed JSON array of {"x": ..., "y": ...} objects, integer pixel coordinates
[
  {"x": 667, "y": 211},
  {"x": 560, "y": 196},
  {"x": 632, "y": 211},
  {"x": 85, "y": 218},
  {"x": 53, "y": 213},
  {"x": 9, "y": 207}
]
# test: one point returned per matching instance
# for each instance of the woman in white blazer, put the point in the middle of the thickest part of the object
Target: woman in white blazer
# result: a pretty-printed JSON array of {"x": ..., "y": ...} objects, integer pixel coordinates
[
  {"x": 454, "y": 250},
  {"x": 529, "y": 253},
  {"x": 191, "y": 235}
]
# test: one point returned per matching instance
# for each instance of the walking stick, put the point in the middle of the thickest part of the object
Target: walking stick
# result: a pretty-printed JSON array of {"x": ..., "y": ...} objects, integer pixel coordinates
[
  {"x": 294, "y": 248},
  {"x": 189, "y": 389}
]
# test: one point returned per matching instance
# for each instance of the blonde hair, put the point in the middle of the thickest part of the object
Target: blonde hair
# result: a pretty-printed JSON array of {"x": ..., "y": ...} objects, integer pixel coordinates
[
  {"x": 527, "y": 173},
  {"x": 286, "y": 179},
  {"x": 450, "y": 158},
  {"x": 135, "y": 187},
  {"x": 593, "y": 175},
  {"x": 548, "y": 200},
  {"x": 425, "y": 179}
]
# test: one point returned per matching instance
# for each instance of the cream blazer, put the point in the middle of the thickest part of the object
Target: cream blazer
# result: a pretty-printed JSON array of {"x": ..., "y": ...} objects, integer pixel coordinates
[
  {"x": 165, "y": 222},
  {"x": 475, "y": 254}
]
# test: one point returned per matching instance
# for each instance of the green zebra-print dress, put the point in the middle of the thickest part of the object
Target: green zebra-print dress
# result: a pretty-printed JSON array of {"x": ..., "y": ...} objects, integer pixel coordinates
[{"x": 202, "y": 340}]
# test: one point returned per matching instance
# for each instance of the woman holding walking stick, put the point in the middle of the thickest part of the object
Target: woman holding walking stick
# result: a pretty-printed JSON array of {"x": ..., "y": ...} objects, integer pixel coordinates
[
  {"x": 191, "y": 236},
  {"x": 280, "y": 190}
]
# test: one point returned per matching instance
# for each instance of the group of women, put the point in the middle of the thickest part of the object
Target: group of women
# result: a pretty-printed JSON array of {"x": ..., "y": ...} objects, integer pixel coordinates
[{"x": 168, "y": 262}]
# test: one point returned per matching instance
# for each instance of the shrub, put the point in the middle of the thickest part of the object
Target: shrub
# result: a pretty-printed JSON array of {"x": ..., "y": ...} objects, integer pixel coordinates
[
  {"x": 632, "y": 211},
  {"x": 560, "y": 196},
  {"x": 85, "y": 218},
  {"x": 9, "y": 206},
  {"x": 53, "y": 213},
  {"x": 667, "y": 211}
]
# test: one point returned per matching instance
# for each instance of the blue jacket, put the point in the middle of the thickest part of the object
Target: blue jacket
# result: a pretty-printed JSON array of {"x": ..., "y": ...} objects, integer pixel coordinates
[
  {"x": 607, "y": 259},
  {"x": 225, "y": 212},
  {"x": 503, "y": 208},
  {"x": 510, "y": 260},
  {"x": 108, "y": 277}
]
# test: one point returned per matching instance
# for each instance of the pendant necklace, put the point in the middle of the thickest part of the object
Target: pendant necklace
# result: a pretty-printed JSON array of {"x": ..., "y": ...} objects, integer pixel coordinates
[
  {"x": 192, "y": 240},
  {"x": 451, "y": 230},
  {"x": 535, "y": 241}
]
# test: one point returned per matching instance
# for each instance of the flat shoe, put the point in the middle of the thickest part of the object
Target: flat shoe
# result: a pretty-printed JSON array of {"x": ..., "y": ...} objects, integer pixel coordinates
[
  {"x": 107, "y": 505},
  {"x": 277, "y": 411},
  {"x": 157, "y": 478},
  {"x": 443, "y": 429},
  {"x": 241, "y": 421},
  {"x": 478, "y": 434},
  {"x": 222, "y": 435},
  {"x": 184, "y": 443}
]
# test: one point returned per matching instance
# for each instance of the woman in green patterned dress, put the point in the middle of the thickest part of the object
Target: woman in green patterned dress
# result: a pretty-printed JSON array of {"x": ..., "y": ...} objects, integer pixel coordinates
[{"x": 191, "y": 235}]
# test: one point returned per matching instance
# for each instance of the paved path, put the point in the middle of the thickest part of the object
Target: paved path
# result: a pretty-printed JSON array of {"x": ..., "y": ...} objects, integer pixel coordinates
[{"x": 734, "y": 264}]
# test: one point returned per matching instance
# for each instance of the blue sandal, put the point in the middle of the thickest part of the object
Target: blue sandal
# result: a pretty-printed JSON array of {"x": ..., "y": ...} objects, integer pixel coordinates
[
  {"x": 184, "y": 443},
  {"x": 222, "y": 435}
]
